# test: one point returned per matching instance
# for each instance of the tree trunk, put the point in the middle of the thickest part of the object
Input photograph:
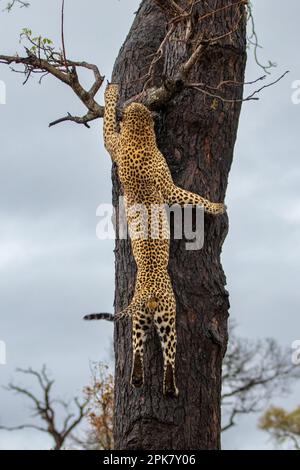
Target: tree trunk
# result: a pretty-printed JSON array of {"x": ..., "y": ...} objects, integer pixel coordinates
[{"x": 196, "y": 134}]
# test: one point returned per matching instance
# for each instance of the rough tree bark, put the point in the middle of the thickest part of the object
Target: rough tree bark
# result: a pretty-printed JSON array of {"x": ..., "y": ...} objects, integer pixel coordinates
[{"x": 197, "y": 137}]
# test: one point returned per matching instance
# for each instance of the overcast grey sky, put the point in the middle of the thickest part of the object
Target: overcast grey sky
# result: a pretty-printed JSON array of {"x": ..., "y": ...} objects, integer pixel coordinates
[{"x": 52, "y": 267}]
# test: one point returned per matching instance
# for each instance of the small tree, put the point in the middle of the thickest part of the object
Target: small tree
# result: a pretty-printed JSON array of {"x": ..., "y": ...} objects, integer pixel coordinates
[
  {"x": 54, "y": 417},
  {"x": 61, "y": 419},
  {"x": 253, "y": 372},
  {"x": 283, "y": 426},
  {"x": 100, "y": 394}
]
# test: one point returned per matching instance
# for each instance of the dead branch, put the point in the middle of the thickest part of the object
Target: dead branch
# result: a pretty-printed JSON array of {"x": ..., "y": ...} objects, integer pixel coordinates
[
  {"x": 251, "y": 97},
  {"x": 231, "y": 419},
  {"x": 23, "y": 426},
  {"x": 225, "y": 83},
  {"x": 65, "y": 71},
  {"x": 252, "y": 39},
  {"x": 12, "y": 3},
  {"x": 42, "y": 59},
  {"x": 156, "y": 97},
  {"x": 170, "y": 7},
  {"x": 63, "y": 33},
  {"x": 252, "y": 373},
  {"x": 44, "y": 409}
]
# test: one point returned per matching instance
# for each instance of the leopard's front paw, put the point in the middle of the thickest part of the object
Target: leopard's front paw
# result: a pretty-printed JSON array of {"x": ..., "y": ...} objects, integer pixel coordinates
[{"x": 112, "y": 91}]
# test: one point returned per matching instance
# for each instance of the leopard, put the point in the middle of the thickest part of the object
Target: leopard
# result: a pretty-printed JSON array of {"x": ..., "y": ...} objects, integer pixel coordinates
[{"x": 146, "y": 181}]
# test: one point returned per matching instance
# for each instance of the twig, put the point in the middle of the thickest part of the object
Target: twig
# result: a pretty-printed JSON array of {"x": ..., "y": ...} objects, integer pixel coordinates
[
  {"x": 44, "y": 409},
  {"x": 57, "y": 67},
  {"x": 218, "y": 10},
  {"x": 253, "y": 41},
  {"x": 170, "y": 7},
  {"x": 77, "y": 119},
  {"x": 269, "y": 84},
  {"x": 155, "y": 97},
  {"x": 251, "y": 97},
  {"x": 225, "y": 83},
  {"x": 10, "y": 5},
  {"x": 63, "y": 33},
  {"x": 57, "y": 64},
  {"x": 157, "y": 56}
]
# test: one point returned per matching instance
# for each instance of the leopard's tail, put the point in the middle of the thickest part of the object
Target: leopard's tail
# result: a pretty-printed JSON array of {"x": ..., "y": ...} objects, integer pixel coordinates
[
  {"x": 109, "y": 316},
  {"x": 99, "y": 316}
]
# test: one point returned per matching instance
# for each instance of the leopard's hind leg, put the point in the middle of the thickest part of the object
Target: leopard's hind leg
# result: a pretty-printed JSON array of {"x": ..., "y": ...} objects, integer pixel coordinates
[
  {"x": 141, "y": 323},
  {"x": 165, "y": 324}
]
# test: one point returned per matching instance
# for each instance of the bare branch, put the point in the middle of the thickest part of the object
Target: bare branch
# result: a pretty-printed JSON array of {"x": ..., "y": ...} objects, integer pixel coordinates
[
  {"x": 157, "y": 56},
  {"x": 81, "y": 414},
  {"x": 77, "y": 119},
  {"x": 253, "y": 41},
  {"x": 12, "y": 3},
  {"x": 231, "y": 421},
  {"x": 220, "y": 9},
  {"x": 56, "y": 63},
  {"x": 251, "y": 97},
  {"x": 22, "y": 391},
  {"x": 40, "y": 376},
  {"x": 156, "y": 97},
  {"x": 170, "y": 7},
  {"x": 268, "y": 85},
  {"x": 252, "y": 372},
  {"x": 59, "y": 68},
  {"x": 23, "y": 426},
  {"x": 63, "y": 33},
  {"x": 194, "y": 57},
  {"x": 45, "y": 410}
]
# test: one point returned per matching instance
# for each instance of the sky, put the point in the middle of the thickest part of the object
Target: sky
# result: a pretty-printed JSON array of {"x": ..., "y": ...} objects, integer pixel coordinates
[{"x": 53, "y": 269}]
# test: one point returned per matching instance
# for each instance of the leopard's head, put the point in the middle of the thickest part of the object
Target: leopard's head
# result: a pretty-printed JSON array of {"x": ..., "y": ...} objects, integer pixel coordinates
[{"x": 137, "y": 116}]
